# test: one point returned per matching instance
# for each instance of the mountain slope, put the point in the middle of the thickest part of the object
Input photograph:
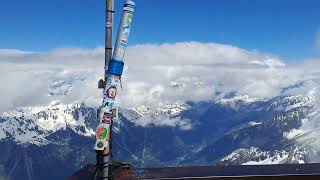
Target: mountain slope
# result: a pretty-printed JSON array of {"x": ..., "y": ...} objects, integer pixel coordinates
[{"x": 237, "y": 130}]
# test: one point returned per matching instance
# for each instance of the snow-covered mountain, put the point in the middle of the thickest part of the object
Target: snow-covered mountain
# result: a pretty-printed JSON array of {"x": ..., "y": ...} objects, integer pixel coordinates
[
  {"x": 60, "y": 87},
  {"x": 36, "y": 140},
  {"x": 235, "y": 130},
  {"x": 253, "y": 156},
  {"x": 33, "y": 125},
  {"x": 271, "y": 135}
]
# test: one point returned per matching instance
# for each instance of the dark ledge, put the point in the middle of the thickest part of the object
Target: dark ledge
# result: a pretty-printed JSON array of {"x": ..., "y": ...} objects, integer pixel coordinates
[{"x": 259, "y": 172}]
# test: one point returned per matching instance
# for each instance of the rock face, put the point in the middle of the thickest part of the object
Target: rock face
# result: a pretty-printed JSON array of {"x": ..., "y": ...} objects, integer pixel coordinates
[{"x": 52, "y": 142}]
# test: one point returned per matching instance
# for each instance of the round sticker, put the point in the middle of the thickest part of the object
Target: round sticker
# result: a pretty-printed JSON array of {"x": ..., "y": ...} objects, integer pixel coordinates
[{"x": 100, "y": 144}]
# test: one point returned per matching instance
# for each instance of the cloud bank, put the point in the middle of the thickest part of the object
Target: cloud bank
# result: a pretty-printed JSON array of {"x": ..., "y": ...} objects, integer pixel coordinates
[
  {"x": 158, "y": 74},
  {"x": 153, "y": 74}
]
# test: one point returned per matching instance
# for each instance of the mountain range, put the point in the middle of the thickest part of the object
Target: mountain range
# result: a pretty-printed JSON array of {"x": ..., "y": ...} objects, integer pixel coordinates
[{"x": 53, "y": 141}]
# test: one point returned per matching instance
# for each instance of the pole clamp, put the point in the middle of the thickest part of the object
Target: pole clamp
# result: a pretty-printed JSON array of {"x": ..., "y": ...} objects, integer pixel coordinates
[{"x": 115, "y": 67}]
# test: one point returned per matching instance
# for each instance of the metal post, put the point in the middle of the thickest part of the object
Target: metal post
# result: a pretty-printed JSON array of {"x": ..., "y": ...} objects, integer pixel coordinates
[
  {"x": 108, "y": 55},
  {"x": 113, "y": 72},
  {"x": 108, "y": 33},
  {"x": 124, "y": 30}
]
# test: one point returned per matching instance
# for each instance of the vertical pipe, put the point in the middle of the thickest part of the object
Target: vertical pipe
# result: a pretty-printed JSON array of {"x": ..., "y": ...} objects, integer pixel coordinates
[
  {"x": 108, "y": 33},
  {"x": 108, "y": 55},
  {"x": 113, "y": 71},
  {"x": 124, "y": 30}
]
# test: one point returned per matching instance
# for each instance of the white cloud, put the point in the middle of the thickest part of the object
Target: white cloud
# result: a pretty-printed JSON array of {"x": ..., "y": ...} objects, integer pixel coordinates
[
  {"x": 183, "y": 124},
  {"x": 205, "y": 71}
]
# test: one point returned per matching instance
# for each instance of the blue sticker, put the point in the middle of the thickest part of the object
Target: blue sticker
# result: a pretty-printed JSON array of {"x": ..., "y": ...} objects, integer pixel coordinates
[
  {"x": 113, "y": 81},
  {"x": 110, "y": 105},
  {"x": 123, "y": 43},
  {"x": 109, "y": 81},
  {"x": 126, "y": 30}
]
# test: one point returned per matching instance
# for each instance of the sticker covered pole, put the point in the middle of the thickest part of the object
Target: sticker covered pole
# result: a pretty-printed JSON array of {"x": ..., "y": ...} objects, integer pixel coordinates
[
  {"x": 102, "y": 168},
  {"x": 108, "y": 111},
  {"x": 116, "y": 64}
]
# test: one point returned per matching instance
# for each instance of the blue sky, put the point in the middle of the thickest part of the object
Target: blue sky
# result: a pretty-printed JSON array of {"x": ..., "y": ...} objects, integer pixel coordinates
[{"x": 286, "y": 28}]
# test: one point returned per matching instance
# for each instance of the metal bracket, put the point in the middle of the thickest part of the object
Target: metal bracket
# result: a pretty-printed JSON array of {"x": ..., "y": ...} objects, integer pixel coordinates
[
  {"x": 101, "y": 84},
  {"x": 115, "y": 114}
]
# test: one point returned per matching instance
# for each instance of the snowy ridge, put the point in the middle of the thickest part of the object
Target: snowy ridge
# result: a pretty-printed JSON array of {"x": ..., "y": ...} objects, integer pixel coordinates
[
  {"x": 160, "y": 110},
  {"x": 161, "y": 115},
  {"x": 60, "y": 87},
  {"x": 243, "y": 126},
  {"x": 182, "y": 84},
  {"x": 255, "y": 156},
  {"x": 64, "y": 85},
  {"x": 306, "y": 137},
  {"x": 292, "y": 116},
  {"x": 298, "y": 154},
  {"x": 34, "y": 124},
  {"x": 177, "y": 84},
  {"x": 241, "y": 98},
  {"x": 277, "y": 159},
  {"x": 292, "y": 102}
]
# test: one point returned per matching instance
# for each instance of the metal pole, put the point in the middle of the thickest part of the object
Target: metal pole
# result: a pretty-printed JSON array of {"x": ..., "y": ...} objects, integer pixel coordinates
[
  {"x": 106, "y": 173},
  {"x": 113, "y": 73},
  {"x": 108, "y": 33},
  {"x": 115, "y": 69},
  {"x": 124, "y": 30}
]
